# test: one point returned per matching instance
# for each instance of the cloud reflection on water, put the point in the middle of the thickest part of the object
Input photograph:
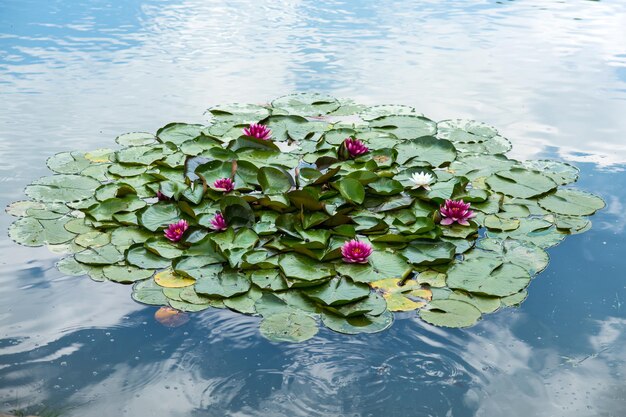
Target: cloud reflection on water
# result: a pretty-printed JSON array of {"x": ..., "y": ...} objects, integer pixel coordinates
[{"x": 549, "y": 75}]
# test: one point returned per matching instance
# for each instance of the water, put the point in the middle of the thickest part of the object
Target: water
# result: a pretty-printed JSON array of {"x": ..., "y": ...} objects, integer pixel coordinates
[{"x": 551, "y": 75}]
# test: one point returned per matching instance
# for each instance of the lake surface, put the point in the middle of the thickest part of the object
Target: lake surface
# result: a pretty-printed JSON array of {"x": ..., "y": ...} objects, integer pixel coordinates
[{"x": 550, "y": 75}]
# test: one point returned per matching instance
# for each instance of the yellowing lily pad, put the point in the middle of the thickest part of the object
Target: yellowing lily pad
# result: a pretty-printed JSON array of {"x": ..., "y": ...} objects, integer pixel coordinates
[
  {"x": 170, "y": 279},
  {"x": 407, "y": 297}
]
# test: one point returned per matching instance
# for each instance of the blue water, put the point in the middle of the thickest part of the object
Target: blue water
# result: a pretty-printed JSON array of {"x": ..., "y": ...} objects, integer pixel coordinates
[{"x": 551, "y": 75}]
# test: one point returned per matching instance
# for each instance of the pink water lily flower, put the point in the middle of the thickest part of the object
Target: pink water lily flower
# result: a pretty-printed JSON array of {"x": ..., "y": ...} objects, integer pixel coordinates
[
  {"x": 456, "y": 211},
  {"x": 219, "y": 222},
  {"x": 355, "y": 147},
  {"x": 175, "y": 231},
  {"x": 224, "y": 184},
  {"x": 357, "y": 252},
  {"x": 259, "y": 131}
]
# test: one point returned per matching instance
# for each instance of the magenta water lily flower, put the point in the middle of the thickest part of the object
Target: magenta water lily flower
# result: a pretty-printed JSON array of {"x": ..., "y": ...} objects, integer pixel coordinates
[
  {"x": 456, "y": 211},
  {"x": 355, "y": 147},
  {"x": 224, "y": 184},
  {"x": 258, "y": 131},
  {"x": 356, "y": 252},
  {"x": 218, "y": 222},
  {"x": 175, "y": 231}
]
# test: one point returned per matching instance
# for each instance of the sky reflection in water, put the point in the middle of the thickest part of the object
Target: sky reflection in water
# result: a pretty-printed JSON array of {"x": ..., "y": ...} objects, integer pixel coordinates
[{"x": 551, "y": 76}]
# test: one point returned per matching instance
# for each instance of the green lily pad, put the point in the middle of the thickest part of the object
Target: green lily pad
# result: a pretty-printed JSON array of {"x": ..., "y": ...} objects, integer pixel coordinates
[
  {"x": 135, "y": 139},
  {"x": 62, "y": 188},
  {"x": 429, "y": 253},
  {"x": 28, "y": 231},
  {"x": 227, "y": 284},
  {"x": 465, "y": 131},
  {"x": 338, "y": 291},
  {"x": 292, "y": 326},
  {"x": 159, "y": 215},
  {"x": 307, "y": 103},
  {"x": 488, "y": 276},
  {"x": 381, "y": 265},
  {"x": 103, "y": 255},
  {"x": 525, "y": 254},
  {"x": 303, "y": 268},
  {"x": 426, "y": 151},
  {"x": 352, "y": 190},
  {"x": 126, "y": 274},
  {"x": 572, "y": 203},
  {"x": 141, "y": 257},
  {"x": 178, "y": 133},
  {"x": 358, "y": 324},
  {"x": 373, "y": 305},
  {"x": 405, "y": 126},
  {"x": 274, "y": 180},
  {"x": 562, "y": 173},
  {"x": 68, "y": 163},
  {"x": 269, "y": 279},
  {"x": 147, "y": 292},
  {"x": 522, "y": 183},
  {"x": 450, "y": 313}
]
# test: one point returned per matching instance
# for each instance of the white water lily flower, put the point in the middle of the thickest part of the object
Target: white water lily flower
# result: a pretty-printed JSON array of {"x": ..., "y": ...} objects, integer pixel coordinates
[{"x": 422, "y": 179}]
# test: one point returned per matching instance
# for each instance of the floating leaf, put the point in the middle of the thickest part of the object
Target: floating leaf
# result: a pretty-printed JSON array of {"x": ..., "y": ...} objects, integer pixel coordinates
[
  {"x": 148, "y": 292},
  {"x": 522, "y": 183},
  {"x": 381, "y": 265},
  {"x": 68, "y": 163},
  {"x": 28, "y": 231},
  {"x": 135, "y": 139},
  {"x": 178, "y": 133},
  {"x": 572, "y": 203},
  {"x": 527, "y": 255},
  {"x": 313, "y": 104},
  {"x": 126, "y": 274},
  {"x": 338, "y": 291},
  {"x": 373, "y": 305},
  {"x": 62, "y": 188},
  {"x": 375, "y": 112},
  {"x": 450, "y": 313},
  {"x": 359, "y": 324},
  {"x": 103, "y": 255},
  {"x": 465, "y": 131},
  {"x": 405, "y": 126},
  {"x": 515, "y": 299},
  {"x": 352, "y": 190},
  {"x": 406, "y": 297},
  {"x": 426, "y": 151},
  {"x": 159, "y": 215},
  {"x": 226, "y": 284},
  {"x": 429, "y": 253},
  {"x": 303, "y": 268},
  {"x": 170, "y": 279},
  {"x": 488, "y": 276},
  {"x": 270, "y": 279},
  {"x": 562, "y": 173},
  {"x": 139, "y": 256},
  {"x": 288, "y": 327},
  {"x": 498, "y": 223},
  {"x": 274, "y": 180}
]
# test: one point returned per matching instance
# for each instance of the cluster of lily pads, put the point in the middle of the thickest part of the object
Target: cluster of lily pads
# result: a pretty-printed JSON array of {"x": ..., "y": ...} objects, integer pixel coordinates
[{"x": 309, "y": 209}]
